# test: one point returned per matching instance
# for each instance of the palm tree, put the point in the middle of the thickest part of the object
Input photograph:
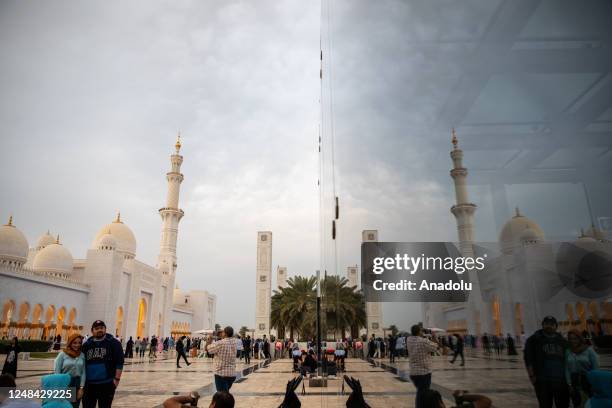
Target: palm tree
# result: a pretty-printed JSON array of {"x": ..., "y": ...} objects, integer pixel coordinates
[
  {"x": 294, "y": 307},
  {"x": 343, "y": 305}
]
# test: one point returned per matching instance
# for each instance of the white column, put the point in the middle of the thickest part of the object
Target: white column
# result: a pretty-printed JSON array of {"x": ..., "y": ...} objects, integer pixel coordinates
[
  {"x": 374, "y": 312},
  {"x": 263, "y": 286}
]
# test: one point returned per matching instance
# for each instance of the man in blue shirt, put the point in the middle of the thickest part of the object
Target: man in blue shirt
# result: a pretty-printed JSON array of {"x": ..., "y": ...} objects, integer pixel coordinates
[{"x": 103, "y": 367}]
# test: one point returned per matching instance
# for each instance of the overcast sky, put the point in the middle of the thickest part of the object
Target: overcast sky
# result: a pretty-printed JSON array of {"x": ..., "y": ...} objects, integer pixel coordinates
[{"x": 93, "y": 95}]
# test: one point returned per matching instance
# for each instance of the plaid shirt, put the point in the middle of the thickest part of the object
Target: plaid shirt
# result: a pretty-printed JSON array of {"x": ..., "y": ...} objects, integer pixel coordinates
[
  {"x": 419, "y": 352},
  {"x": 225, "y": 356}
]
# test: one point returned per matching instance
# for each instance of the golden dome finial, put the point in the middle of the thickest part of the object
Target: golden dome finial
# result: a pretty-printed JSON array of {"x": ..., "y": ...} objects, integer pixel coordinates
[
  {"x": 57, "y": 241},
  {"x": 10, "y": 221},
  {"x": 118, "y": 219},
  {"x": 582, "y": 233},
  {"x": 454, "y": 139},
  {"x": 178, "y": 145},
  {"x": 517, "y": 212}
]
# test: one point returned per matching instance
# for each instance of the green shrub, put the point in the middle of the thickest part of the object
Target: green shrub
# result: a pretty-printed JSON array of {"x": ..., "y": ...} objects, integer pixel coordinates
[{"x": 26, "y": 345}]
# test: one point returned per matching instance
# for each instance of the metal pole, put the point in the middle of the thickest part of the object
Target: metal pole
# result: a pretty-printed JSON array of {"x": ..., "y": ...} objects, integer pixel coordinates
[{"x": 319, "y": 323}]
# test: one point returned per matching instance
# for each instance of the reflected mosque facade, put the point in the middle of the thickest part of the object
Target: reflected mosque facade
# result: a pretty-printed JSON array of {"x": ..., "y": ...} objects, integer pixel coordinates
[
  {"x": 528, "y": 278},
  {"x": 44, "y": 291}
]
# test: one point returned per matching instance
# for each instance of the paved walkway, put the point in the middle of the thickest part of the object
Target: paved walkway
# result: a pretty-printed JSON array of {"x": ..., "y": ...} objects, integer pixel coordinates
[{"x": 148, "y": 384}]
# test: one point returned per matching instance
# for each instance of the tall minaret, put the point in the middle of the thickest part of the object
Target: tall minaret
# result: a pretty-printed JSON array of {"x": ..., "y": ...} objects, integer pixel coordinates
[
  {"x": 464, "y": 211},
  {"x": 170, "y": 214}
]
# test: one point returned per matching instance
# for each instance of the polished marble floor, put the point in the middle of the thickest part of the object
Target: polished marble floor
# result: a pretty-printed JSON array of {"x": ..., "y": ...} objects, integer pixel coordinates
[{"x": 148, "y": 384}]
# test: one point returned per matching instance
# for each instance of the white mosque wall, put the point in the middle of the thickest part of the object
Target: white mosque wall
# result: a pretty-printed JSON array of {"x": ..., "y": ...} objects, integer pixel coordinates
[{"x": 40, "y": 300}]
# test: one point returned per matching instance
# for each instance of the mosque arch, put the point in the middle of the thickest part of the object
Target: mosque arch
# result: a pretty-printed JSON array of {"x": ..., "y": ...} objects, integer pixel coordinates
[
  {"x": 22, "y": 323},
  {"x": 49, "y": 316},
  {"x": 71, "y": 321},
  {"x": 519, "y": 327},
  {"x": 581, "y": 312},
  {"x": 59, "y": 325},
  {"x": 8, "y": 311},
  {"x": 35, "y": 328},
  {"x": 142, "y": 316},
  {"x": 496, "y": 314},
  {"x": 606, "y": 308},
  {"x": 119, "y": 324}
]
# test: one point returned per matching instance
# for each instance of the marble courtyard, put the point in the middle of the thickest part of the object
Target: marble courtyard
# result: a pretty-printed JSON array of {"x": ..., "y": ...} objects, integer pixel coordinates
[{"x": 147, "y": 384}]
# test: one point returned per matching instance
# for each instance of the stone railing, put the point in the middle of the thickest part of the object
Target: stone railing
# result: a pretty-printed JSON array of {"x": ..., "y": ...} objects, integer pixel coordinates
[{"x": 63, "y": 280}]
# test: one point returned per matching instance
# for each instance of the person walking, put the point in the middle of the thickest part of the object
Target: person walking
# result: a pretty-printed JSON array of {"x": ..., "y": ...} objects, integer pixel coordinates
[
  {"x": 246, "y": 346},
  {"x": 266, "y": 347},
  {"x": 57, "y": 342},
  {"x": 458, "y": 349},
  {"x": 129, "y": 348},
  {"x": 180, "y": 352},
  {"x": 12, "y": 354},
  {"x": 72, "y": 361},
  {"x": 153, "y": 348},
  {"x": 239, "y": 348},
  {"x": 143, "y": 346},
  {"x": 137, "y": 346},
  {"x": 103, "y": 367},
  {"x": 544, "y": 357},
  {"x": 392, "y": 344},
  {"x": 420, "y": 360},
  {"x": 224, "y": 360},
  {"x": 511, "y": 345},
  {"x": 580, "y": 358}
]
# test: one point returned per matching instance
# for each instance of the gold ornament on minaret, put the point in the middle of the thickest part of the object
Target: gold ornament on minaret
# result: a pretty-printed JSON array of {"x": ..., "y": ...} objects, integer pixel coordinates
[
  {"x": 178, "y": 145},
  {"x": 454, "y": 139}
]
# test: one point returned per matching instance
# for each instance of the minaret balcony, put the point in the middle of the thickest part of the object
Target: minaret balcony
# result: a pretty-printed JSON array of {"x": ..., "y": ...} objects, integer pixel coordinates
[{"x": 172, "y": 210}]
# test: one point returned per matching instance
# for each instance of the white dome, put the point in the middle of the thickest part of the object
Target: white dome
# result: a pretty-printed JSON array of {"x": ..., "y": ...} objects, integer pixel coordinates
[
  {"x": 13, "y": 244},
  {"x": 44, "y": 240},
  {"x": 126, "y": 242},
  {"x": 588, "y": 243},
  {"x": 54, "y": 258},
  {"x": 107, "y": 242},
  {"x": 514, "y": 228},
  {"x": 529, "y": 235}
]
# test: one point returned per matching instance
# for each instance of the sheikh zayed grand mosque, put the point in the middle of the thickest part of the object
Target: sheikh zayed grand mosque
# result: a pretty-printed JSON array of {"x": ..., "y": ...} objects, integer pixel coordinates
[{"x": 44, "y": 291}]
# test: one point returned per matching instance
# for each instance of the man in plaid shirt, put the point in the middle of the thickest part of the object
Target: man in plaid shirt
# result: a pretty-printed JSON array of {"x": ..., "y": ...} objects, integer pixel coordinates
[
  {"x": 224, "y": 352},
  {"x": 419, "y": 353}
]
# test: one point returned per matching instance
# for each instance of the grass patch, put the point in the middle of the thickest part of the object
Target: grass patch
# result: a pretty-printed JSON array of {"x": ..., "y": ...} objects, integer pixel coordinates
[{"x": 42, "y": 354}]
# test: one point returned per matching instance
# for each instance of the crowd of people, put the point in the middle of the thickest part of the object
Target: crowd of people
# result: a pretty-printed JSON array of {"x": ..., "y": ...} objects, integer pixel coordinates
[{"x": 562, "y": 369}]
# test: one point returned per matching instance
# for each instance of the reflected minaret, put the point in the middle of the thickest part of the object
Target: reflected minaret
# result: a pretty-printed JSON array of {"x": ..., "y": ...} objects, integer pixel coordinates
[{"x": 464, "y": 211}]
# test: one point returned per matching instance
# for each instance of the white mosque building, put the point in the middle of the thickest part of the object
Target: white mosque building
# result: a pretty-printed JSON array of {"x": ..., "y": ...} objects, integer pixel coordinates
[
  {"x": 521, "y": 284},
  {"x": 44, "y": 291}
]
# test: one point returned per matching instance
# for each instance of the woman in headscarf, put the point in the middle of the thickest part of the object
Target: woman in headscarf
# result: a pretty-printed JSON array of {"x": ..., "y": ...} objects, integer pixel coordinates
[
  {"x": 12, "y": 353},
  {"x": 71, "y": 361},
  {"x": 580, "y": 359}
]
